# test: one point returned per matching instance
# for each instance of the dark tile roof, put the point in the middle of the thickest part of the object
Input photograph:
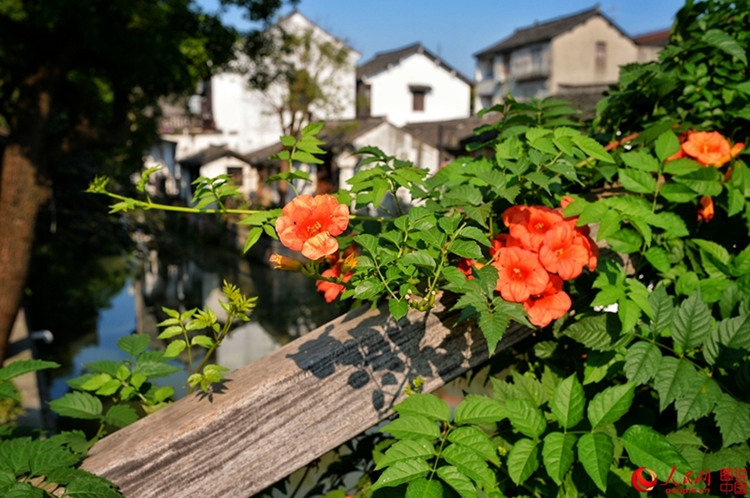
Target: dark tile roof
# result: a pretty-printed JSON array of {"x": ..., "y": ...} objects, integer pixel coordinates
[
  {"x": 209, "y": 154},
  {"x": 448, "y": 135},
  {"x": 383, "y": 60},
  {"x": 656, "y": 38},
  {"x": 544, "y": 31},
  {"x": 336, "y": 134}
]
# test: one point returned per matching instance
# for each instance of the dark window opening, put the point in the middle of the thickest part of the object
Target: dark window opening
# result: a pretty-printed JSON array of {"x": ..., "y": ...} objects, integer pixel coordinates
[
  {"x": 600, "y": 56},
  {"x": 418, "y": 93}
]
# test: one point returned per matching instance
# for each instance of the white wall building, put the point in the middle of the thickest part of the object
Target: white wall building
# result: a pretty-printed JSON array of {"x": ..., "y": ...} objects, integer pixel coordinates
[
  {"x": 244, "y": 119},
  {"x": 410, "y": 85}
]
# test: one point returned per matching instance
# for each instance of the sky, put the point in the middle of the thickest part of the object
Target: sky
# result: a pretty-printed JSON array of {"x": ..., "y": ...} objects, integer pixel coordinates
[{"x": 455, "y": 30}]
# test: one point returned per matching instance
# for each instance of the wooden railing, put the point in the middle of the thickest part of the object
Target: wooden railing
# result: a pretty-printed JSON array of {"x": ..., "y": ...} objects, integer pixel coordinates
[{"x": 287, "y": 409}]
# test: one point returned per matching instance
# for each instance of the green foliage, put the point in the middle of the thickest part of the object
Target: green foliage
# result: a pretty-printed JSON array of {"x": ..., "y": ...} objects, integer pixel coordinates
[
  {"x": 184, "y": 329},
  {"x": 112, "y": 392},
  {"x": 650, "y": 368},
  {"x": 49, "y": 462},
  {"x": 700, "y": 79}
]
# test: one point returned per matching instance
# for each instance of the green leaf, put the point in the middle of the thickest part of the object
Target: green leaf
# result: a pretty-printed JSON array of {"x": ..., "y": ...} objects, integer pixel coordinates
[
  {"x": 691, "y": 325},
  {"x": 175, "y": 348},
  {"x": 418, "y": 258},
  {"x": 253, "y": 236},
  {"x": 121, "y": 415},
  {"x": 642, "y": 361},
  {"x": 611, "y": 404},
  {"x": 413, "y": 427},
  {"x": 476, "y": 234},
  {"x": 641, "y": 160},
  {"x": 470, "y": 464},
  {"x": 368, "y": 289},
  {"x": 398, "y": 308},
  {"x": 647, "y": 448},
  {"x": 426, "y": 405},
  {"x": 305, "y": 157},
  {"x": 95, "y": 382},
  {"x": 596, "y": 453},
  {"x": 9, "y": 391},
  {"x": 90, "y": 487},
  {"x": 523, "y": 460},
  {"x": 134, "y": 344},
  {"x": 202, "y": 340},
  {"x": 77, "y": 405},
  {"x": 637, "y": 181},
  {"x": 422, "y": 488},
  {"x": 677, "y": 192},
  {"x": 658, "y": 258},
  {"x": 666, "y": 145},
  {"x": 558, "y": 455},
  {"x": 493, "y": 325},
  {"x": 672, "y": 379},
  {"x": 723, "y": 41},
  {"x": 525, "y": 417},
  {"x": 458, "y": 481},
  {"x": 629, "y": 313},
  {"x": 170, "y": 332},
  {"x": 600, "y": 332},
  {"x": 475, "y": 409},
  {"x": 592, "y": 148},
  {"x": 625, "y": 240},
  {"x": 698, "y": 400},
  {"x": 568, "y": 402},
  {"x": 476, "y": 440},
  {"x": 729, "y": 340},
  {"x": 111, "y": 368},
  {"x": 163, "y": 393},
  {"x": 312, "y": 129},
  {"x": 21, "y": 367},
  {"x": 154, "y": 369},
  {"x": 407, "y": 449},
  {"x": 705, "y": 181},
  {"x": 109, "y": 388},
  {"x": 465, "y": 249},
  {"x": 733, "y": 418},
  {"x": 679, "y": 167},
  {"x": 663, "y": 308},
  {"x": 368, "y": 242},
  {"x": 50, "y": 456}
]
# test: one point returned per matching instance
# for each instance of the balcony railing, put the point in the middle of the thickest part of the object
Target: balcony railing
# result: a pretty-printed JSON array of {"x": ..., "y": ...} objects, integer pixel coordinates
[{"x": 182, "y": 123}]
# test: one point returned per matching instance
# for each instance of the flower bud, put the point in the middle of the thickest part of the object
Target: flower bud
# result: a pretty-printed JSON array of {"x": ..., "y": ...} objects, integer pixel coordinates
[{"x": 283, "y": 263}]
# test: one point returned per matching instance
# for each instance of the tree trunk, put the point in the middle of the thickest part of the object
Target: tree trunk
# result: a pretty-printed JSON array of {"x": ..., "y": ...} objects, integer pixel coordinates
[{"x": 20, "y": 201}]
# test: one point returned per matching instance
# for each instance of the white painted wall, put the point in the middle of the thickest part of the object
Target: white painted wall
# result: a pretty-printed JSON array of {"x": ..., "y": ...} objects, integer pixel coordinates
[
  {"x": 245, "y": 118},
  {"x": 390, "y": 97}
]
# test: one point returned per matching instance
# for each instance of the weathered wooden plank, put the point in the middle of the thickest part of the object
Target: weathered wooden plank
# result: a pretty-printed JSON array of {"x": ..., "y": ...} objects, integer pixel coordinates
[{"x": 290, "y": 407}]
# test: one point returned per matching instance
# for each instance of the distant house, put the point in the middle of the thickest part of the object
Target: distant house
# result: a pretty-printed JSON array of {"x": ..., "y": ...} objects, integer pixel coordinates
[
  {"x": 342, "y": 139},
  {"x": 580, "y": 53},
  {"x": 411, "y": 84},
  {"x": 227, "y": 112}
]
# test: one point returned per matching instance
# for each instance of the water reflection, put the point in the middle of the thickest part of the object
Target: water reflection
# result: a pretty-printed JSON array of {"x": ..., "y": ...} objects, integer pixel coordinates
[{"x": 182, "y": 276}]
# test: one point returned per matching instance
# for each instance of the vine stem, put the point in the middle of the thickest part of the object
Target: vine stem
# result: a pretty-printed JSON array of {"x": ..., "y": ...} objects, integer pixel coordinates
[{"x": 223, "y": 334}]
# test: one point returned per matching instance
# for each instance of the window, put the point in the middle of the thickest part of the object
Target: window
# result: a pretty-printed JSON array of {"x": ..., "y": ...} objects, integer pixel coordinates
[
  {"x": 600, "y": 55},
  {"x": 536, "y": 60},
  {"x": 418, "y": 93},
  {"x": 235, "y": 174}
]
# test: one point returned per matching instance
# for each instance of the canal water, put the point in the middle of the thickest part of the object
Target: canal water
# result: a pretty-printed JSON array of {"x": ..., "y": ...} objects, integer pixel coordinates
[{"x": 166, "y": 272}]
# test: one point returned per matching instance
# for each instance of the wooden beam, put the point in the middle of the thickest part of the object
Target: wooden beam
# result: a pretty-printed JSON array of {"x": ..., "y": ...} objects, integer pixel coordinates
[{"x": 285, "y": 410}]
